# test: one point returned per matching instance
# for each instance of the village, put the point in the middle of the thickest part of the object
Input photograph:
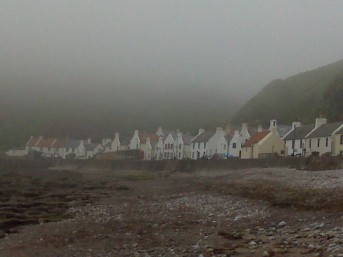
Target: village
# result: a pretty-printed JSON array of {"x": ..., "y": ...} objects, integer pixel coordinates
[{"x": 225, "y": 142}]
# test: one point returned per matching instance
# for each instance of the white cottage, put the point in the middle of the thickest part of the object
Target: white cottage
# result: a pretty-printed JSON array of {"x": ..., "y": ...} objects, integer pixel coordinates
[
  {"x": 75, "y": 149},
  {"x": 295, "y": 139},
  {"x": 115, "y": 145},
  {"x": 169, "y": 146},
  {"x": 183, "y": 146},
  {"x": 135, "y": 142},
  {"x": 199, "y": 144},
  {"x": 159, "y": 149},
  {"x": 217, "y": 144}
]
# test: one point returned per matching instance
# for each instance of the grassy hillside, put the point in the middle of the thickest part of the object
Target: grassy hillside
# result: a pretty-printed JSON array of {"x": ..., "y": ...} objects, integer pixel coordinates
[
  {"x": 303, "y": 97},
  {"x": 99, "y": 112}
]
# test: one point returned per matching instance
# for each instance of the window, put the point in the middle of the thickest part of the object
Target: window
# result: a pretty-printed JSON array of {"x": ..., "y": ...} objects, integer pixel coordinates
[
  {"x": 171, "y": 146},
  {"x": 301, "y": 143},
  {"x": 193, "y": 155},
  {"x": 193, "y": 145},
  {"x": 224, "y": 147},
  {"x": 180, "y": 146},
  {"x": 341, "y": 139},
  {"x": 204, "y": 144},
  {"x": 234, "y": 145},
  {"x": 179, "y": 155},
  {"x": 318, "y": 142},
  {"x": 310, "y": 143},
  {"x": 198, "y": 145},
  {"x": 327, "y": 142}
]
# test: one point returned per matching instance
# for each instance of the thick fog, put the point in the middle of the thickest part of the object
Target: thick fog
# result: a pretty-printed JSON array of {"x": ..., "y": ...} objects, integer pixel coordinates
[{"x": 236, "y": 46}]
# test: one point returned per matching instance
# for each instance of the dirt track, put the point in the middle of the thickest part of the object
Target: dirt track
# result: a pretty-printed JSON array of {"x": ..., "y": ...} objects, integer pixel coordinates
[{"x": 205, "y": 214}]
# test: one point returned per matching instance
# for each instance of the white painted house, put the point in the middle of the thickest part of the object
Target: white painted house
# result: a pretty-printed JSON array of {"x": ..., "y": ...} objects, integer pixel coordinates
[
  {"x": 115, "y": 144},
  {"x": 159, "y": 149},
  {"x": 199, "y": 144},
  {"x": 235, "y": 145},
  {"x": 75, "y": 149},
  {"x": 217, "y": 144},
  {"x": 135, "y": 142},
  {"x": 17, "y": 152},
  {"x": 295, "y": 139},
  {"x": 183, "y": 146},
  {"x": 169, "y": 146}
]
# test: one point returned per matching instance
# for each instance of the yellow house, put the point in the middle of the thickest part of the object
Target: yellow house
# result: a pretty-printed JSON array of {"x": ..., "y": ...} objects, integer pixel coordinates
[
  {"x": 337, "y": 143},
  {"x": 264, "y": 144}
]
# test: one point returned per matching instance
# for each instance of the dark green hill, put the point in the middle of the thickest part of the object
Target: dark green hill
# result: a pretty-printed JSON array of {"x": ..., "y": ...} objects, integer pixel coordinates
[
  {"x": 98, "y": 112},
  {"x": 303, "y": 97}
]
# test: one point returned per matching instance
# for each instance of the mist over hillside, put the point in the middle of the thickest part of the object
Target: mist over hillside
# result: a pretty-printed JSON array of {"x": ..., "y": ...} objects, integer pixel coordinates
[
  {"x": 301, "y": 97},
  {"x": 101, "y": 111}
]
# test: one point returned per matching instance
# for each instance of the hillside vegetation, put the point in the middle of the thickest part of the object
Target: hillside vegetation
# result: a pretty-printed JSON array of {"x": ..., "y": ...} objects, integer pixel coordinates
[
  {"x": 100, "y": 112},
  {"x": 302, "y": 97}
]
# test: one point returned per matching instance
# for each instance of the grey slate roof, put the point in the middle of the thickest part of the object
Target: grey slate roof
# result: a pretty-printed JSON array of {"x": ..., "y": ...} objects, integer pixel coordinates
[
  {"x": 282, "y": 130},
  {"x": 228, "y": 138},
  {"x": 187, "y": 139},
  {"x": 124, "y": 139},
  {"x": 299, "y": 133},
  {"x": 73, "y": 143},
  {"x": 340, "y": 131},
  {"x": 252, "y": 131},
  {"x": 204, "y": 137},
  {"x": 325, "y": 130},
  {"x": 90, "y": 147}
]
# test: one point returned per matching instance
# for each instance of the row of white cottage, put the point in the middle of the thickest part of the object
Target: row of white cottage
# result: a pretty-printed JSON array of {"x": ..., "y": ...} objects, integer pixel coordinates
[{"x": 245, "y": 143}]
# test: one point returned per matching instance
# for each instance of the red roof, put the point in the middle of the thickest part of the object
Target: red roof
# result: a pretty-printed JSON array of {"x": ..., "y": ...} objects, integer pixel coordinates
[
  {"x": 60, "y": 143},
  {"x": 46, "y": 142},
  {"x": 256, "y": 138},
  {"x": 143, "y": 136},
  {"x": 32, "y": 142}
]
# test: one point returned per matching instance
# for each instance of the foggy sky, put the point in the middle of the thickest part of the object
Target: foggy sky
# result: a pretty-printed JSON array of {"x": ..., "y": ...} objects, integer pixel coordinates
[{"x": 235, "y": 46}]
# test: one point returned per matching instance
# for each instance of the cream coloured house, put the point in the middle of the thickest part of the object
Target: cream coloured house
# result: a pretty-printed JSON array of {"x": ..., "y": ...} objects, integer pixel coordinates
[
  {"x": 337, "y": 143},
  {"x": 264, "y": 144},
  {"x": 320, "y": 139}
]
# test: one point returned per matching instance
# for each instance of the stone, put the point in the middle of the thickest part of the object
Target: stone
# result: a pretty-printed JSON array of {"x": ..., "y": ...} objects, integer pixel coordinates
[
  {"x": 266, "y": 254},
  {"x": 282, "y": 224}
]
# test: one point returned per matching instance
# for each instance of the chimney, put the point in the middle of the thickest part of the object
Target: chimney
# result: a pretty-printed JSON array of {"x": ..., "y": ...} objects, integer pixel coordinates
[
  {"x": 320, "y": 121},
  {"x": 89, "y": 140},
  {"x": 273, "y": 124},
  {"x": 136, "y": 133},
  {"x": 159, "y": 131},
  {"x": 179, "y": 134},
  {"x": 296, "y": 124},
  {"x": 103, "y": 141},
  {"x": 259, "y": 128},
  {"x": 116, "y": 136},
  {"x": 236, "y": 132},
  {"x": 219, "y": 130},
  {"x": 201, "y": 131},
  {"x": 244, "y": 126}
]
